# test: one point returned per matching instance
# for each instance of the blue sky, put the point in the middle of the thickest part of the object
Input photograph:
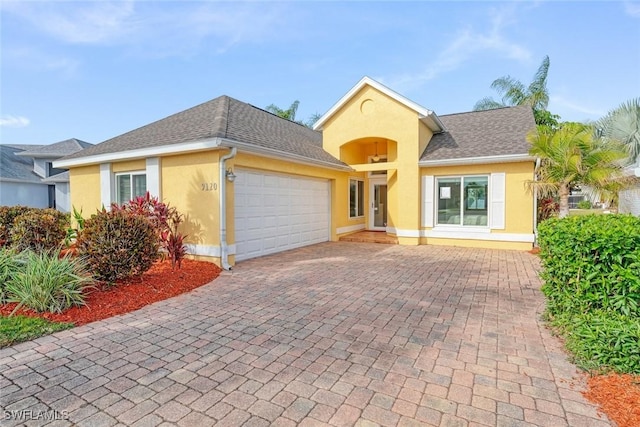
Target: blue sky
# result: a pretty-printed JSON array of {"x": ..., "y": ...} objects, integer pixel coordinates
[{"x": 94, "y": 70}]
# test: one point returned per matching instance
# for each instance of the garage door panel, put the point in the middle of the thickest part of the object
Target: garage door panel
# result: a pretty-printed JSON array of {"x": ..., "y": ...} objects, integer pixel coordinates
[{"x": 276, "y": 212}]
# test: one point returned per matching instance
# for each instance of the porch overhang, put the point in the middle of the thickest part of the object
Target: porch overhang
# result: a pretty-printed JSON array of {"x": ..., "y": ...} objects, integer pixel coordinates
[{"x": 374, "y": 167}]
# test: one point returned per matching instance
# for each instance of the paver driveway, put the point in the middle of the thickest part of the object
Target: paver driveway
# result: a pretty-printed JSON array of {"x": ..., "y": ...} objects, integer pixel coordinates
[{"x": 336, "y": 333}]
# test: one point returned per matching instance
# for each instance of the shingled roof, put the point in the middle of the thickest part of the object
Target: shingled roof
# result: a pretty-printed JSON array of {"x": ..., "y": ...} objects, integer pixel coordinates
[
  {"x": 16, "y": 168},
  {"x": 59, "y": 149},
  {"x": 222, "y": 117},
  {"x": 496, "y": 132}
]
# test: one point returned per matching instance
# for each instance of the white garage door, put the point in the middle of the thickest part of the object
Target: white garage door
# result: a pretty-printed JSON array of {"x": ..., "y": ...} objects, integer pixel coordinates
[{"x": 276, "y": 212}]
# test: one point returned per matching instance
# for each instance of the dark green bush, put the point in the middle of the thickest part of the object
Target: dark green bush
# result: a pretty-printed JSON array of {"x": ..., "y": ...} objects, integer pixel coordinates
[
  {"x": 118, "y": 245},
  {"x": 591, "y": 274},
  {"x": 39, "y": 230},
  {"x": 584, "y": 204},
  {"x": 603, "y": 341},
  {"x": 591, "y": 262},
  {"x": 7, "y": 215}
]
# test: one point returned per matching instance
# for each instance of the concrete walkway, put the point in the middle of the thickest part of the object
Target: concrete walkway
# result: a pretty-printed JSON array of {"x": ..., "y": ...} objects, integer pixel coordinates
[{"x": 334, "y": 334}]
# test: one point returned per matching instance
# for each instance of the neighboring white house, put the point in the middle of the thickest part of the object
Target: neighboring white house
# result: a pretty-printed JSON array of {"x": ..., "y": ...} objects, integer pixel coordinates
[
  {"x": 28, "y": 178},
  {"x": 630, "y": 199}
]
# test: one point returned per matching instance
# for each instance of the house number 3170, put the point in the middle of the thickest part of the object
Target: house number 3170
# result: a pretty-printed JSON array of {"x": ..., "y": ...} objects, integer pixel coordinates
[{"x": 209, "y": 186}]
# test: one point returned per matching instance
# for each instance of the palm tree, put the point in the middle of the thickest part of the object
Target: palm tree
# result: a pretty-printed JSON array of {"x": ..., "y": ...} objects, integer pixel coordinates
[
  {"x": 572, "y": 155},
  {"x": 514, "y": 92},
  {"x": 289, "y": 113},
  {"x": 623, "y": 124}
]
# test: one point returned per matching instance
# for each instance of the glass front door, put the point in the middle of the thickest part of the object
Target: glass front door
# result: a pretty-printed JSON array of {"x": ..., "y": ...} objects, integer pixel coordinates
[{"x": 378, "y": 216}]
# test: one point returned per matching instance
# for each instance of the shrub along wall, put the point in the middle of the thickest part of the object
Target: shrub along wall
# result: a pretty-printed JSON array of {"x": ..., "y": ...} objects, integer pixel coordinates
[{"x": 591, "y": 274}]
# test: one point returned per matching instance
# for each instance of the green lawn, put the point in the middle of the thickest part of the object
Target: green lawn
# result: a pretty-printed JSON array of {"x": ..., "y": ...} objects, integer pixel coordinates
[
  {"x": 15, "y": 329},
  {"x": 580, "y": 212}
]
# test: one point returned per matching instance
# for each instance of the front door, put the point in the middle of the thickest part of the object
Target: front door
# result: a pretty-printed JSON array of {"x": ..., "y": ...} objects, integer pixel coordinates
[{"x": 378, "y": 212}]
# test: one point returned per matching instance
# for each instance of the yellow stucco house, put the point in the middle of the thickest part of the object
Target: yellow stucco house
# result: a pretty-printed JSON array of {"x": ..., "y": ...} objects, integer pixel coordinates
[{"x": 251, "y": 183}]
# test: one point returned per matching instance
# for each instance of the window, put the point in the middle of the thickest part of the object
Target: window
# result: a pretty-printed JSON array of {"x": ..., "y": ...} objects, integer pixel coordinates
[
  {"x": 356, "y": 198},
  {"x": 463, "y": 200},
  {"x": 130, "y": 186},
  {"x": 51, "y": 171}
]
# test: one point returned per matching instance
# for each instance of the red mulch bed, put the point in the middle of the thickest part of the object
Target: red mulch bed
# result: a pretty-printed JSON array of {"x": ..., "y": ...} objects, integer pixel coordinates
[
  {"x": 157, "y": 284},
  {"x": 618, "y": 397}
]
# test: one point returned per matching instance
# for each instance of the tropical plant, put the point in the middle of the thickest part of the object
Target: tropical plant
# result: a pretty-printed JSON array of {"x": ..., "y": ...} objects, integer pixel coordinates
[
  {"x": 9, "y": 265},
  {"x": 584, "y": 204},
  {"x": 623, "y": 124},
  {"x": 572, "y": 155},
  {"x": 8, "y": 214},
  {"x": 290, "y": 113},
  {"x": 118, "y": 245},
  {"x": 72, "y": 232},
  {"x": 514, "y": 92},
  {"x": 173, "y": 241},
  {"x": 48, "y": 282}
]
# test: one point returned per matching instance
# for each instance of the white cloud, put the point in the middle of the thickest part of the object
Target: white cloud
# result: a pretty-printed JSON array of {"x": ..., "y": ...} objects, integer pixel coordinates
[
  {"x": 632, "y": 8},
  {"x": 30, "y": 58},
  {"x": 79, "y": 22},
  {"x": 154, "y": 29},
  {"x": 468, "y": 44},
  {"x": 13, "y": 121}
]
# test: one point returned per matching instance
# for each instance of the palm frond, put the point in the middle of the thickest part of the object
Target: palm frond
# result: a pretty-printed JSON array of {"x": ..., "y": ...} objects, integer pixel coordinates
[{"x": 487, "y": 103}]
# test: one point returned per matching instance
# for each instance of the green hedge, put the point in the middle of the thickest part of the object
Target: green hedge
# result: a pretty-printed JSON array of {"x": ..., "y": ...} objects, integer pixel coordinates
[{"x": 591, "y": 274}]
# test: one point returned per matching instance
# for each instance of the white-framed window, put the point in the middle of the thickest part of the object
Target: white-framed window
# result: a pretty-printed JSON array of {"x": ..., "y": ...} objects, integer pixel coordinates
[
  {"x": 356, "y": 198},
  {"x": 462, "y": 200},
  {"x": 130, "y": 185}
]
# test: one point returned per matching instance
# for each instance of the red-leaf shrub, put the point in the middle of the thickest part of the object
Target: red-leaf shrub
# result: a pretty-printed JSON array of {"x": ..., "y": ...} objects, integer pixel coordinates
[
  {"x": 7, "y": 215},
  {"x": 39, "y": 230}
]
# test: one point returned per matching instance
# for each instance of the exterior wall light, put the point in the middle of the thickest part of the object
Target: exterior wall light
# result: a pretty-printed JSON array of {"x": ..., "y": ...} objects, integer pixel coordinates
[{"x": 230, "y": 175}]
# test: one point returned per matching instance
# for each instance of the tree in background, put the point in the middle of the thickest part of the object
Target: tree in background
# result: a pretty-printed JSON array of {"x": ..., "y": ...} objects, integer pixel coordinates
[
  {"x": 290, "y": 113},
  {"x": 623, "y": 124},
  {"x": 572, "y": 155},
  {"x": 514, "y": 92}
]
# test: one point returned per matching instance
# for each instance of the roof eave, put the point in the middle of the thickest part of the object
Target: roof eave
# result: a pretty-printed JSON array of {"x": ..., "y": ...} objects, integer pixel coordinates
[
  {"x": 505, "y": 158},
  {"x": 281, "y": 155},
  {"x": 141, "y": 153}
]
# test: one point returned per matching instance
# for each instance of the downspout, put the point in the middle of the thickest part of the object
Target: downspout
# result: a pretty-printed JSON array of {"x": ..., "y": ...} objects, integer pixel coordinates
[
  {"x": 224, "y": 249},
  {"x": 535, "y": 204}
]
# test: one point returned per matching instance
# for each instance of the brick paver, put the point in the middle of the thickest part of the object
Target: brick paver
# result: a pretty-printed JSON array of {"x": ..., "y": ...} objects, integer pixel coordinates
[{"x": 336, "y": 334}]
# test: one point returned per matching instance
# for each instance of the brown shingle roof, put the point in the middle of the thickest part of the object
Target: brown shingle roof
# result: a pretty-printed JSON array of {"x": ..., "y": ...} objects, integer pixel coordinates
[
  {"x": 482, "y": 133},
  {"x": 222, "y": 117}
]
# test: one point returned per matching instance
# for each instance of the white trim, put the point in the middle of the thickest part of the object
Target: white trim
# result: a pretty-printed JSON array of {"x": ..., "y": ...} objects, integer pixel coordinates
[
  {"x": 208, "y": 250},
  {"x": 140, "y": 153},
  {"x": 350, "y": 228},
  {"x": 506, "y": 158},
  {"x": 153, "y": 176},
  {"x": 106, "y": 184},
  {"x": 281, "y": 155},
  {"x": 423, "y": 112},
  {"x": 407, "y": 233},
  {"x": 477, "y": 235},
  {"x": 497, "y": 200},
  {"x": 428, "y": 200}
]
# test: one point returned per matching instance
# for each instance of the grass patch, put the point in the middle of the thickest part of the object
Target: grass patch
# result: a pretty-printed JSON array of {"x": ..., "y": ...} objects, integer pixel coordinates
[
  {"x": 582, "y": 212},
  {"x": 15, "y": 329}
]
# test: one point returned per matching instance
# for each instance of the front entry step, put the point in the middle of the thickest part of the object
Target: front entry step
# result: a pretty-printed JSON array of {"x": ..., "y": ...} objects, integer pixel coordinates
[{"x": 370, "y": 237}]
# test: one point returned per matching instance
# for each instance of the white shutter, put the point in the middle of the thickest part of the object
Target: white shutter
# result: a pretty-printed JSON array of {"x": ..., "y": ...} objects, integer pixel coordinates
[
  {"x": 497, "y": 201},
  {"x": 427, "y": 200}
]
